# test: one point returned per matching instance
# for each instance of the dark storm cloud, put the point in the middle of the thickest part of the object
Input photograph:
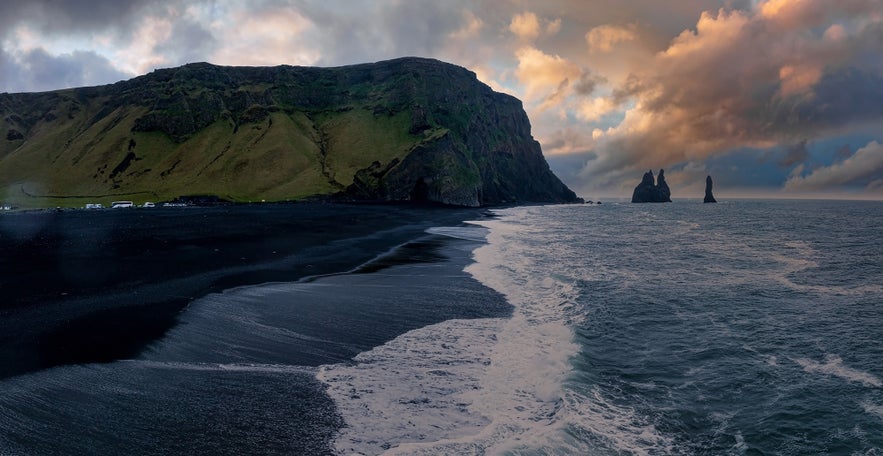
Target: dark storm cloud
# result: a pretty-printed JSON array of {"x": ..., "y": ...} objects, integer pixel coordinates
[
  {"x": 369, "y": 31},
  {"x": 419, "y": 28},
  {"x": 64, "y": 16},
  {"x": 843, "y": 96},
  {"x": 189, "y": 42},
  {"x": 795, "y": 154},
  {"x": 7, "y": 71},
  {"x": 587, "y": 83},
  {"x": 37, "y": 70}
]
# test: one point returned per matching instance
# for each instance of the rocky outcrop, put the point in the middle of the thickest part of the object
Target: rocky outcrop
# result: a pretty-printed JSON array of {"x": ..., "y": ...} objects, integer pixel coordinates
[
  {"x": 400, "y": 130},
  {"x": 649, "y": 191},
  {"x": 13, "y": 135},
  {"x": 476, "y": 149},
  {"x": 709, "y": 197}
]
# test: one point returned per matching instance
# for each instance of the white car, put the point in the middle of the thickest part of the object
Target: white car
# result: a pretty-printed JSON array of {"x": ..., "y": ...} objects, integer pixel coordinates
[{"x": 121, "y": 204}]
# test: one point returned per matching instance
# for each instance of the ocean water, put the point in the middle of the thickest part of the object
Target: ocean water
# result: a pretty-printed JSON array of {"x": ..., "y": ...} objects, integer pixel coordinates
[{"x": 744, "y": 327}]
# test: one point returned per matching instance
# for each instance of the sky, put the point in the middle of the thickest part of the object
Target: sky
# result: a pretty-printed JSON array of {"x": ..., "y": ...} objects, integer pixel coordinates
[{"x": 780, "y": 98}]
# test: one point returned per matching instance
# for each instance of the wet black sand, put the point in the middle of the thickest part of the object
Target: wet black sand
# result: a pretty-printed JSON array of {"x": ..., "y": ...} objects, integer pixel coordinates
[
  {"x": 96, "y": 286},
  {"x": 233, "y": 370}
]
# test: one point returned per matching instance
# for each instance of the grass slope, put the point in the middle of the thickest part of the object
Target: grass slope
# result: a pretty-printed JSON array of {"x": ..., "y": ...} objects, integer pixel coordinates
[{"x": 69, "y": 158}]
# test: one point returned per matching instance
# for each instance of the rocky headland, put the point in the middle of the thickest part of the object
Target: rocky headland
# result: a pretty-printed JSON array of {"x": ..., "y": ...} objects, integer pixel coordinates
[{"x": 409, "y": 129}]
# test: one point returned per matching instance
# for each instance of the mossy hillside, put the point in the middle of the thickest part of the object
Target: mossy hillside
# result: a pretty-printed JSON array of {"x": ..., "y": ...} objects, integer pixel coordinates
[
  {"x": 357, "y": 138},
  {"x": 273, "y": 156},
  {"x": 274, "y": 133}
]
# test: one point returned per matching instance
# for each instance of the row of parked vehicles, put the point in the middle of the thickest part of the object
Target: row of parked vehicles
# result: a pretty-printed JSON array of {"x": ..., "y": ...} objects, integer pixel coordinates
[{"x": 128, "y": 204}]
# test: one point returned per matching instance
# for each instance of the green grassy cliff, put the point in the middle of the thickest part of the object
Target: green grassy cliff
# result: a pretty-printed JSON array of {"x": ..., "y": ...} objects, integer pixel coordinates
[{"x": 398, "y": 130}]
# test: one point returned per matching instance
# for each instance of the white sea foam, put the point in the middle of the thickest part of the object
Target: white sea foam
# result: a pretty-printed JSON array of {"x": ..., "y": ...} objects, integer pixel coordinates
[
  {"x": 411, "y": 389},
  {"x": 224, "y": 367},
  {"x": 834, "y": 366},
  {"x": 785, "y": 259},
  {"x": 492, "y": 386},
  {"x": 467, "y": 385},
  {"x": 614, "y": 427},
  {"x": 873, "y": 409},
  {"x": 468, "y": 233}
]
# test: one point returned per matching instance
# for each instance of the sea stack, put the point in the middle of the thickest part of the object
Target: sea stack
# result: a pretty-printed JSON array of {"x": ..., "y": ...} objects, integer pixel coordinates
[
  {"x": 664, "y": 191},
  {"x": 709, "y": 197},
  {"x": 649, "y": 192}
]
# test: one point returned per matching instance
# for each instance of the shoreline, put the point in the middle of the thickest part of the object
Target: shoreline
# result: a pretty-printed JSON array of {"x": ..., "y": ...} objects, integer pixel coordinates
[
  {"x": 243, "y": 363},
  {"x": 70, "y": 302}
]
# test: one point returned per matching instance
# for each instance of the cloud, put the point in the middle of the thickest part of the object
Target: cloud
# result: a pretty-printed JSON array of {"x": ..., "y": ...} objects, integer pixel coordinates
[
  {"x": 368, "y": 31},
  {"x": 470, "y": 29},
  {"x": 264, "y": 38},
  {"x": 553, "y": 27},
  {"x": 568, "y": 140},
  {"x": 70, "y": 15},
  {"x": 551, "y": 81},
  {"x": 795, "y": 154},
  {"x": 593, "y": 109},
  {"x": 864, "y": 169},
  {"x": 604, "y": 37},
  {"x": 799, "y": 14},
  {"x": 80, "y": 42},
  {"x": 37, "y": 70},
  {"x": 525, "y": 26},
  {"x": 843, "y": 152},
  {"x": 587, "y": 83},
  {"x": 144, "y": 51},
  {"x": 542, "y": 74},
  {"x": 187, "y": 41},
  {"x": 749, "y": 79}
]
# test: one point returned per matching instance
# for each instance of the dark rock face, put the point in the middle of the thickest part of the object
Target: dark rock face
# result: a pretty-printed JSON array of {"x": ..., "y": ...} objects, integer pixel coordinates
[
  {"x": 485, "y": 156},
  {"x": 662, "y": 186},
  {"x": 649, "y": 192},
  {"x": 14, "y": 135},
  {"x": 709, "y": 197}
]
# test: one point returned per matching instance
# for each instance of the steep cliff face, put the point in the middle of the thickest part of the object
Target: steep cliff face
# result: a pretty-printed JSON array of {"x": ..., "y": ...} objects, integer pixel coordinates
[{"x": 405, "y": 129}]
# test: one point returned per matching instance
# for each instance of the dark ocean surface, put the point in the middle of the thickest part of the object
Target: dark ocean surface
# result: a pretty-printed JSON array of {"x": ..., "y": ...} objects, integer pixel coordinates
[{"x": 743, "y": 327}]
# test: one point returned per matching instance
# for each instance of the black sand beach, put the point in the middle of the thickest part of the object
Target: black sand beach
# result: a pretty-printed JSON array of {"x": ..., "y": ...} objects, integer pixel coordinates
[
  {"x": 205, "y": 362},
  {"x": 96, "y": 286}
]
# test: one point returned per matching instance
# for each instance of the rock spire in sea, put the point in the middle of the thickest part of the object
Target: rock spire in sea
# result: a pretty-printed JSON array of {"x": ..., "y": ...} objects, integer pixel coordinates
[
  {"x": 709, "y": 197},
  {"x": 649, "y": 191}
]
